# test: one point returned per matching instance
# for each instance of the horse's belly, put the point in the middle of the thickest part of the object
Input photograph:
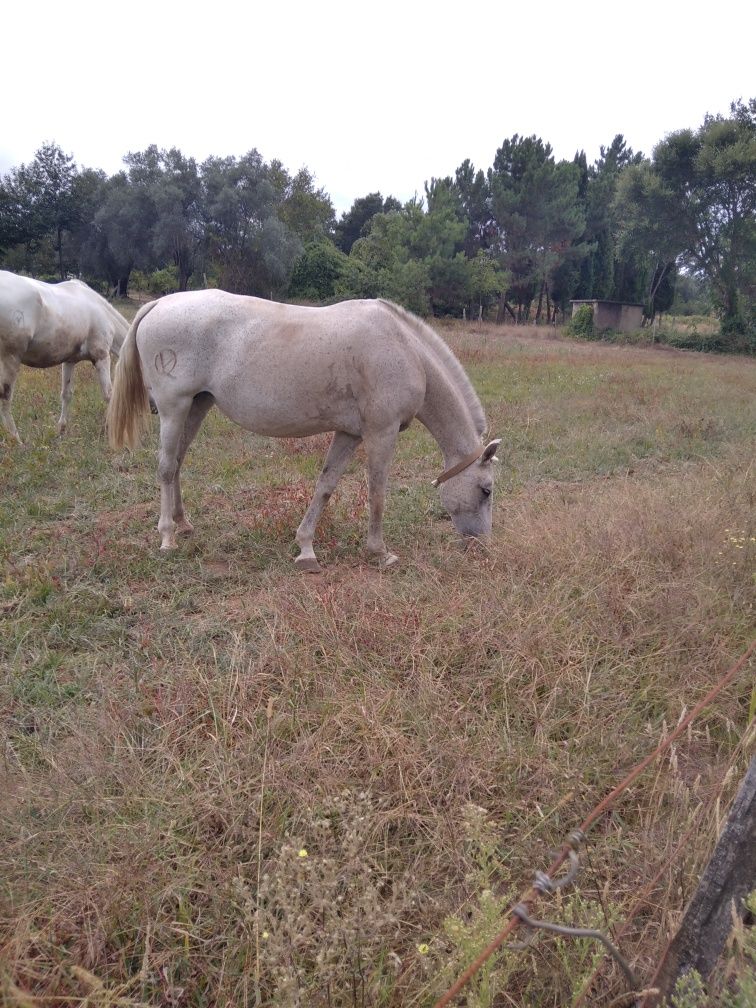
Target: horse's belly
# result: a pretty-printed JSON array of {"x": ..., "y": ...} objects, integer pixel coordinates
[
  {"x": 38, "y": 356},
  {"x": 276, "y": 420}
]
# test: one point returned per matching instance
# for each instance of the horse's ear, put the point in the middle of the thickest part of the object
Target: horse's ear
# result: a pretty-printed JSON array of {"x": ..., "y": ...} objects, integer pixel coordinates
[{"x": 489, "y": 452}]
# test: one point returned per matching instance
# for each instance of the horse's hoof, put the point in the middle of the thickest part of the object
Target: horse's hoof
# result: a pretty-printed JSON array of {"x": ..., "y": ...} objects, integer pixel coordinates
[
  {"x": 307, "y": 565},
  {"x": 185, "y": 528},
  {"x": 168, "y": 547},
  {"x": 387, "y": 560}
]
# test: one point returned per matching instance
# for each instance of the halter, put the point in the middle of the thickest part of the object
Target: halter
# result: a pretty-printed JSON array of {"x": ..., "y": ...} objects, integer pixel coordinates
[{"x": 458, "y": 468}]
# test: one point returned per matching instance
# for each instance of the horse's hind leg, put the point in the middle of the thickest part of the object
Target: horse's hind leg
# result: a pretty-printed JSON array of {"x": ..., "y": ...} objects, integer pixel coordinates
[
  {"x": 66, "y": 391},
  {"x": 8, "y": 375},
  {"x": 171, "y": 433},
  {"x": 379, "y": 447},
  {"x": 201, "y": 404},
  {"x": 336, "y": 460}
]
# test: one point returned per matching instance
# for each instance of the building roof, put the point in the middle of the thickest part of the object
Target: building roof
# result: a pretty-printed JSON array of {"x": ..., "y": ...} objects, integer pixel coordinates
[{"x": 628, "y": 304}]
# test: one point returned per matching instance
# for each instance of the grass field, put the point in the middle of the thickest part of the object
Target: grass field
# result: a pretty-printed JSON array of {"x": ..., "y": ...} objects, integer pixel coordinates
[{"x": 227, "y": 784}]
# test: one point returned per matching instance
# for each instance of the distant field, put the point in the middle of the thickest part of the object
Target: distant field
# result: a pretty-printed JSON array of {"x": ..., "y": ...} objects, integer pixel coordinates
[{"x": 224, "y": 781}]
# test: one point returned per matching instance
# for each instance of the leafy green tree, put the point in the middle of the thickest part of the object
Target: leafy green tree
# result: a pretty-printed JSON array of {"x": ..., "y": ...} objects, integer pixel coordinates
[
  {"x": 487, "y": 280},
  {"x": 355, "y": 222},
  {"x": 12, "y": 224},
  {"x": 474, "y": 196},
  {"x": 306, "y": 211},
  {"x": 410, "y": 286},
  {"x": 416, "y": 256},
  {"x": 694, "y": 205},
  {"x": 606, "y": 270},
  {"x": 169, "y": 184},
  {"x": 537, "y": 216},
  {"x": 357, "y": 280},
  {"x": 383, "y": 251},
  {"x": 38, "y": 204},
  {"x": 692, "y": 295},
  {"x": 620, "y": 273},
  {"x": 709, "y": 177},
  {"x": 437, "y": 240},
  {"x": 317, "y": 271},
  {"x": 648, "y": 237},
  {"x": 118, "y": 239},
  {"x": 254, "y": 250},
  {"x": 382, "y": 263},
  {"x": 89, "y": 187}
]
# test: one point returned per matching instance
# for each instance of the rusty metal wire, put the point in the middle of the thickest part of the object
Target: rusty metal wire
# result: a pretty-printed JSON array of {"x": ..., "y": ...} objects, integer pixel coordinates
[
  {"x": 640, "y": 902},
  {"x": 532, "y": 894}
]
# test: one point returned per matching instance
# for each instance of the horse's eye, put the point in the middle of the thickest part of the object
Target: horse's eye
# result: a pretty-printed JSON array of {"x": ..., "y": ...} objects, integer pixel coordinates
[{"x": 486, "y": 491}]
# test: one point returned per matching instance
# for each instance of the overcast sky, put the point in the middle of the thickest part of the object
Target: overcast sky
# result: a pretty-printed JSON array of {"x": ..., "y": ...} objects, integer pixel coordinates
[{"x": 369, "y": 96}]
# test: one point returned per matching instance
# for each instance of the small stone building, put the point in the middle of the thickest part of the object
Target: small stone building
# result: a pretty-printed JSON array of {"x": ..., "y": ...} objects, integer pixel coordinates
[{"x": 617, "y": 315}]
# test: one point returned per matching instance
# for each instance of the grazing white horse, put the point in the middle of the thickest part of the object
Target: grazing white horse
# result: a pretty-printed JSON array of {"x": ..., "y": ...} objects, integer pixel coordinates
[
  {"x": 43, "y": 325},
  {"x": 362, "y": 369}
]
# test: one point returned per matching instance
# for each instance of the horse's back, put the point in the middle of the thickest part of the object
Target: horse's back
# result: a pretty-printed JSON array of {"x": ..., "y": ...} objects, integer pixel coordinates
[{"x": 283, "y": 369}]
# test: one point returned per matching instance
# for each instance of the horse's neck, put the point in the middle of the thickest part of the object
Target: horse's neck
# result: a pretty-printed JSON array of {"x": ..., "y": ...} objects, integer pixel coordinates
[{"x": 446, "y": 414}]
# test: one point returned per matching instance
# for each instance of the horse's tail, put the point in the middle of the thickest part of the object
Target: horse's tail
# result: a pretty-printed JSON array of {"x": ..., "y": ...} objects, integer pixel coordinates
[{"x": 129, "y": 407}]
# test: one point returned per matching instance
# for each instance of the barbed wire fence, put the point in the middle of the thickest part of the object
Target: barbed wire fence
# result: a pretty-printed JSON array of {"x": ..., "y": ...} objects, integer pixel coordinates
[{"x": 546, "y": 883}]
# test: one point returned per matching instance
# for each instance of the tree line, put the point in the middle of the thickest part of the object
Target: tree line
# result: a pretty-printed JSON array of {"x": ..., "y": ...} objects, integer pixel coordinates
[{"x": 516, "y": 241}]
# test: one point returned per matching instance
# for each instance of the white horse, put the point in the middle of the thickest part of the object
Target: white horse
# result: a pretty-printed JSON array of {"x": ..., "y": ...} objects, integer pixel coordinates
[
  {"x": 362, "y": 369},
  {"x": 43, "y": 325}
]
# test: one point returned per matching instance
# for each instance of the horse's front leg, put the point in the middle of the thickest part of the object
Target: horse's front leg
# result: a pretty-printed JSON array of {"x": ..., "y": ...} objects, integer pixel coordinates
[
  {"x": 102, "y": 367},
  {"x": 66, "y": 392},
  {"x": 380, "y": 448},
  {"x": 337, "y": 458},
  {"x": 8, "y": 375}
]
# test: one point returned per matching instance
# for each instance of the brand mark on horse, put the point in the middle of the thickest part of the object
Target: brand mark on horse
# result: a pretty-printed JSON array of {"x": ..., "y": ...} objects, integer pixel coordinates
[{"x": 165, "y": 362}]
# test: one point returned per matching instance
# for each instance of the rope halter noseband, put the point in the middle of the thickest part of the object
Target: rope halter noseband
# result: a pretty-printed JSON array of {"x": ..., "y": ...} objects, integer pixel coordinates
[{"x": 466, "y": 462}]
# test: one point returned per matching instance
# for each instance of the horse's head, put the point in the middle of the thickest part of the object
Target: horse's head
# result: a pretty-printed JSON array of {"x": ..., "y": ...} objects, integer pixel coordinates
[{"x": 468, "y": 494}]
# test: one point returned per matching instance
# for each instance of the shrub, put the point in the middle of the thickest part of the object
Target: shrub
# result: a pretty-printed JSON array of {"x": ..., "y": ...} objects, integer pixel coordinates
[
  {"x": 163, "y": 281},
  {"x": 317, "y": 271},
  {"x": 327, "y": 913},
  {"x": 581, "y": 323}
]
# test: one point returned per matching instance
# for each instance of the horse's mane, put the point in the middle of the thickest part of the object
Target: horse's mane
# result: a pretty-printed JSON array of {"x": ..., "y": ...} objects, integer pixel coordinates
[
  {"x": 121, "y": 323},
  {"x": 447, "y": 359}
]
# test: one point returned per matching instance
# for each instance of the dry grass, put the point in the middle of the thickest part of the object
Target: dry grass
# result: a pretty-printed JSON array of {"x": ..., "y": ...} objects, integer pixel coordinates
[{"x": 433, "y": 732}]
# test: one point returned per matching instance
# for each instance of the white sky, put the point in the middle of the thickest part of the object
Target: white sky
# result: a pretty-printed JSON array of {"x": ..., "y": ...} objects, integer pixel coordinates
[{"x": 369, "y": 96}]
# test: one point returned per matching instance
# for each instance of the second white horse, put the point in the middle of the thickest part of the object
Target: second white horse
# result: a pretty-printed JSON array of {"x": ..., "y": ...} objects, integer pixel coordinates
[{"x": 43, "y": 325}]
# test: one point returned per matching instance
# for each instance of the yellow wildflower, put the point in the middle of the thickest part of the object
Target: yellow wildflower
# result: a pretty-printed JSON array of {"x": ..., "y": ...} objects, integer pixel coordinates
[
  {"x": 423, "y": 948},
  {"x": 302, "y": 853}
]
